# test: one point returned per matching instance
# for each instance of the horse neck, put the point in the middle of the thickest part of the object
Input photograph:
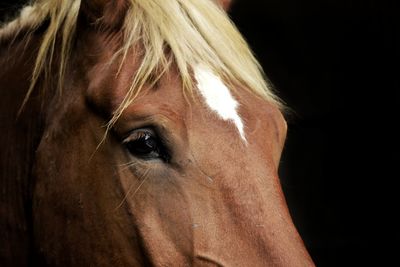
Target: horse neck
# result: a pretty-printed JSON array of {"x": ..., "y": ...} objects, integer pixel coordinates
[{"x": 19, "y": 138}]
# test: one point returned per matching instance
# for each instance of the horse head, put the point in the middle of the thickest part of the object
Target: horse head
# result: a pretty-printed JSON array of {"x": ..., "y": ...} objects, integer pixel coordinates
[{"x": 160, "y": 140}]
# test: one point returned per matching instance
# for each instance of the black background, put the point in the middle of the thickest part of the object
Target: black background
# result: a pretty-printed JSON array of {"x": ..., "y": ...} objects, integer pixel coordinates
[{"x": 336, "y": 65}]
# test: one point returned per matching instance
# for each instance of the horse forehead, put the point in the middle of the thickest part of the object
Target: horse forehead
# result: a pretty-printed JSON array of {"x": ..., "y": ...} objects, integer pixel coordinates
[{"x": 218, "y": 97}]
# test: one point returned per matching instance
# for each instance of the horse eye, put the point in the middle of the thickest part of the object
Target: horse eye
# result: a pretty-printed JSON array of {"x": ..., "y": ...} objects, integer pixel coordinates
[{"x": 144, "y": 144}]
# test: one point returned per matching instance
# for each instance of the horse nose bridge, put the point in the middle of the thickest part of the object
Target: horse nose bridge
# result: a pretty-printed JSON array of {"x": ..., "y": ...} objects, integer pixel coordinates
[
  {"x": 244, "y": 222},
  {"x": 231, "y": 239}
]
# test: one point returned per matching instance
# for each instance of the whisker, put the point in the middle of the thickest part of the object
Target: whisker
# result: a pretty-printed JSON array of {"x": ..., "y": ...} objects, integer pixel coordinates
[
  {"x": 144, "y": 178},
  {"x": 128, "y": 165}
]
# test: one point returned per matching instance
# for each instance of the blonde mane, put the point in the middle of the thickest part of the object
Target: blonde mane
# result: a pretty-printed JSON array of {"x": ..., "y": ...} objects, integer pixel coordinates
[{"x": 195, "y": 31}]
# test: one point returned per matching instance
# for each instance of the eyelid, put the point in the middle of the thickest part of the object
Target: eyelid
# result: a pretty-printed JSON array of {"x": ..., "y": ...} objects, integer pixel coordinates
[{"x": 137, "y": 134}]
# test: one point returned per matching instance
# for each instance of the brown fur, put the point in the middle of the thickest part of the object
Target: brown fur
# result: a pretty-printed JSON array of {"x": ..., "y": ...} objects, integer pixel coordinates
[{"x": 19, "y": 139}]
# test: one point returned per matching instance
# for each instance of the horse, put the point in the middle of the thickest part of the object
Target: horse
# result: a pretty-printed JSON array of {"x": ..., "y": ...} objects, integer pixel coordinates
[{"x": 139, "y": 133}]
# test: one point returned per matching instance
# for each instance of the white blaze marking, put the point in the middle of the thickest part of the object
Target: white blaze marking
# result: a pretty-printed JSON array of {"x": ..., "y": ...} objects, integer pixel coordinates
[{"x": 218, "y": 96}]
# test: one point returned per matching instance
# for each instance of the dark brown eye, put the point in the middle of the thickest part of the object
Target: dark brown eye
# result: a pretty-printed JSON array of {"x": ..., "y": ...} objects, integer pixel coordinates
[{"x": 145, "y": 144}]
